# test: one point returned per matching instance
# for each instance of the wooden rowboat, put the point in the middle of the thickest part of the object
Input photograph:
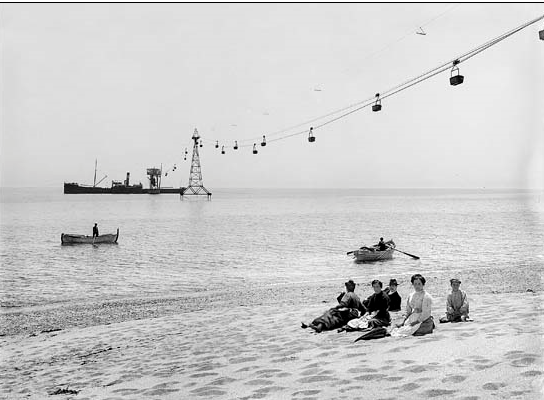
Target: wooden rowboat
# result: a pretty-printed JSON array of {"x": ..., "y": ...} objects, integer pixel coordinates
[
  {"x": 66, "y": 238},
  {"x": 373, "y": 254}
]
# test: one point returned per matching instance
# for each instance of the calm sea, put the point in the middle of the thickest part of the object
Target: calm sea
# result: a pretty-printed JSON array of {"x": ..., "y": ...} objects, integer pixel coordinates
[{"x": 245, "y": 238}]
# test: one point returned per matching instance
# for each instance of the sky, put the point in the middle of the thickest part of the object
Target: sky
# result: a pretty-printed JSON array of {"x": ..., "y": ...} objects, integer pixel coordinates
[{"x": 127, "y": 84}]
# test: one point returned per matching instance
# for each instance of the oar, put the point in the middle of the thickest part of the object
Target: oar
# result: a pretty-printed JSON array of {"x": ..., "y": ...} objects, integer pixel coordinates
[{"x": 408, "y": 254}]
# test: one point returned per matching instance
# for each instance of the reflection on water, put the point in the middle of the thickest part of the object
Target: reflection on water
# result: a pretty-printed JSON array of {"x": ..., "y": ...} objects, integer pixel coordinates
[{"x": 169, "y": 247}]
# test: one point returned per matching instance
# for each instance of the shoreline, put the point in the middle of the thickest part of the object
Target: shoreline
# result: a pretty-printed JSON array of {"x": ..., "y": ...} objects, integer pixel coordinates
[{"x": 33, "y": 320}]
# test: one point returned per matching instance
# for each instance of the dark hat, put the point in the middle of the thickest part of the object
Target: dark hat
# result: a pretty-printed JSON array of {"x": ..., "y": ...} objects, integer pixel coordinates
[
  {"x": 393, "y": 282},
  {"x": 350, "y": 282},
  {"x": 455, "y": 280}
]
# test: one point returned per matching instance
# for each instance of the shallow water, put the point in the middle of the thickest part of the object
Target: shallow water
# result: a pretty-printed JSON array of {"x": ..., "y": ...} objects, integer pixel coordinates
[{"x": 246, "y": 238}]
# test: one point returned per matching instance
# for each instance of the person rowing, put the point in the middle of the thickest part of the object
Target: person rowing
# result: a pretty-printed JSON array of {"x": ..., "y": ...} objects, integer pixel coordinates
[{"x": 381, "y": 246}]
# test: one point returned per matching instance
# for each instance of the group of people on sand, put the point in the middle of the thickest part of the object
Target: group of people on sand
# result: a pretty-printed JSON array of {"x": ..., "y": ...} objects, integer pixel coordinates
[{"x": 373, "y": 315}]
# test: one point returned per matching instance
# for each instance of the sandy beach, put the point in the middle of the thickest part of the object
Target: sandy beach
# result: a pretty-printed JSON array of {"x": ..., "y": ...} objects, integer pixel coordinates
[{"x": 259, "y": 351}]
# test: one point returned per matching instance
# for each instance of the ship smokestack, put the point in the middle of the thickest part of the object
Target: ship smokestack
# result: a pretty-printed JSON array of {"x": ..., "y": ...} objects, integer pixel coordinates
[{"x": 128, "y": 179}]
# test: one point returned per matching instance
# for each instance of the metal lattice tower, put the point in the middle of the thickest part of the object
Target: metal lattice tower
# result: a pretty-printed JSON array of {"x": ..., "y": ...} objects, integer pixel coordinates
[{"x": 195, "y": 177}]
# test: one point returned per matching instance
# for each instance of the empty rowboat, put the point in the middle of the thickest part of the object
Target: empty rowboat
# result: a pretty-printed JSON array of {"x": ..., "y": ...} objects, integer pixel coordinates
[{"x": 66, "y": 238}]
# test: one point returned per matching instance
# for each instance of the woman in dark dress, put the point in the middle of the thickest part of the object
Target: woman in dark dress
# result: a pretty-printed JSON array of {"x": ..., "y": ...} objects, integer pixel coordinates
[
  {"x": 377, "y": 306},
  {"x": 395, "y": 300}
]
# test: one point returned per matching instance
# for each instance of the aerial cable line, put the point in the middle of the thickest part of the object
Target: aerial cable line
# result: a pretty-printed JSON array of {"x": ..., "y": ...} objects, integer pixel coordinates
[
  {"x": 403, "y": 86},
  {"x": 305, "y": 123},
  {"x": 425, "y": 76},
  {"x": 465, "y": 56},
  {"x": 408, "y": 33}
]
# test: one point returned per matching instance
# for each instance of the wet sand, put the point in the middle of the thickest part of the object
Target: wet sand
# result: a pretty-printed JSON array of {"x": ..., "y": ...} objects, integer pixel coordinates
[{"x": 228, "y": 350}]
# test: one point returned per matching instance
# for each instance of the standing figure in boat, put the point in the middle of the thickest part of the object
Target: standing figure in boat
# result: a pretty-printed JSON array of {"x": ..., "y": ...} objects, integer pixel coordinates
[
  {"x": 95, "y": 230},
  {"x": 381, "y": 245},
  {"x": 349, "y": 307}
]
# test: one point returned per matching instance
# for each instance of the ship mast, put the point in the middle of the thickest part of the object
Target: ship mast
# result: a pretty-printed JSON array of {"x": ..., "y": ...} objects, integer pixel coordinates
[{"x": 94, "y": 181}]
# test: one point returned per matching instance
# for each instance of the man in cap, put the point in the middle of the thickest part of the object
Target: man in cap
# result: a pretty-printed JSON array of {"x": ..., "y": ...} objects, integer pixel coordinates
[{"x": 456, "y": 304}]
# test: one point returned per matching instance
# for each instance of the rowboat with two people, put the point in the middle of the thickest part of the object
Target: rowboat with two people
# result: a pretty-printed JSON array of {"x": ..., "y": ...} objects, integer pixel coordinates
[
  {"x": 376, "y": 252},
  {"x": 381, "y": 251},
  {"x": 66, "y": 238}
]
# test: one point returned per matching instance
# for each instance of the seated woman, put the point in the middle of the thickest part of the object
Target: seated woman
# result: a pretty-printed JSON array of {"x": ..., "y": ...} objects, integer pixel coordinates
[
  {"x": 417, "y": 320},
  {"x": 394, "y": 297},
  {"x": 349, "y": 307},
  {"x": 456, "y": 304},
  {"x": 377, "y": 306}
]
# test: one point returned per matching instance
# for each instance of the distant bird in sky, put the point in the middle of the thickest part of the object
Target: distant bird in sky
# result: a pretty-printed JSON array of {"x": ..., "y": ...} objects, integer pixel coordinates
[
  {"x": 422, "y": 31},
  {"x": 318, "y": 90}
]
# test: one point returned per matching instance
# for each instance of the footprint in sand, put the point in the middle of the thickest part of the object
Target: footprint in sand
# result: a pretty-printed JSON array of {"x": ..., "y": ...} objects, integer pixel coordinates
[
  {"x": 125, "y": 391},
  {"x": 160, "y": 392},
  {"x": 311, "y": 371},
  {"x": 208, "y": 391},
  {"x": 312, "y": 365},
  {"x": 516, "y": 393},
  {"x": 242, "y": 360},
  {"x": 315, "y": 378},
  {"x": 416, "y": 369},
  {"x": 531, "y": 373},
  {"x": 484, "y": 366},
  {"x": 440, "y": 393},
  {"x": 493, "y": 386},
  {"x": 222, "y": 381},
  {"x": 267, "y": 371},
  {"x": 513, "y": 353},
  {"x": 523, "y": 362},
  {"x": 454, "y": 379},
  {"x": 269, "y": 389},
  {"x": 342, "y": 382},
  {"x": 208, "y": 367},
  {"x": 397, "y": 349},
  {"x": 259, "y": 382},
  {"x": 409, "y": 387},
  {"x": 370, "y": 377},
  {"x": 244, "y": 369},
  {"x": 326, "y": 354},
  {"x": 203, "y": 374},
  {"x": 306, "y": 393},
  {"x": 361, "y": 369},
  {"x": 481, "y": 360}
]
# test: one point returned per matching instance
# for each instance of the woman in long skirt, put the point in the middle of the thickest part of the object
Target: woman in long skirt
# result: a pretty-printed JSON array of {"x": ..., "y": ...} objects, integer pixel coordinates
[{"x": 417, "y": 319}]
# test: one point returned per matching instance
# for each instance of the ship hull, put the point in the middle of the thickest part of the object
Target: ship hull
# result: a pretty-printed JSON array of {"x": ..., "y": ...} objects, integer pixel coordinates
[{"x": 75, "y": 188}]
